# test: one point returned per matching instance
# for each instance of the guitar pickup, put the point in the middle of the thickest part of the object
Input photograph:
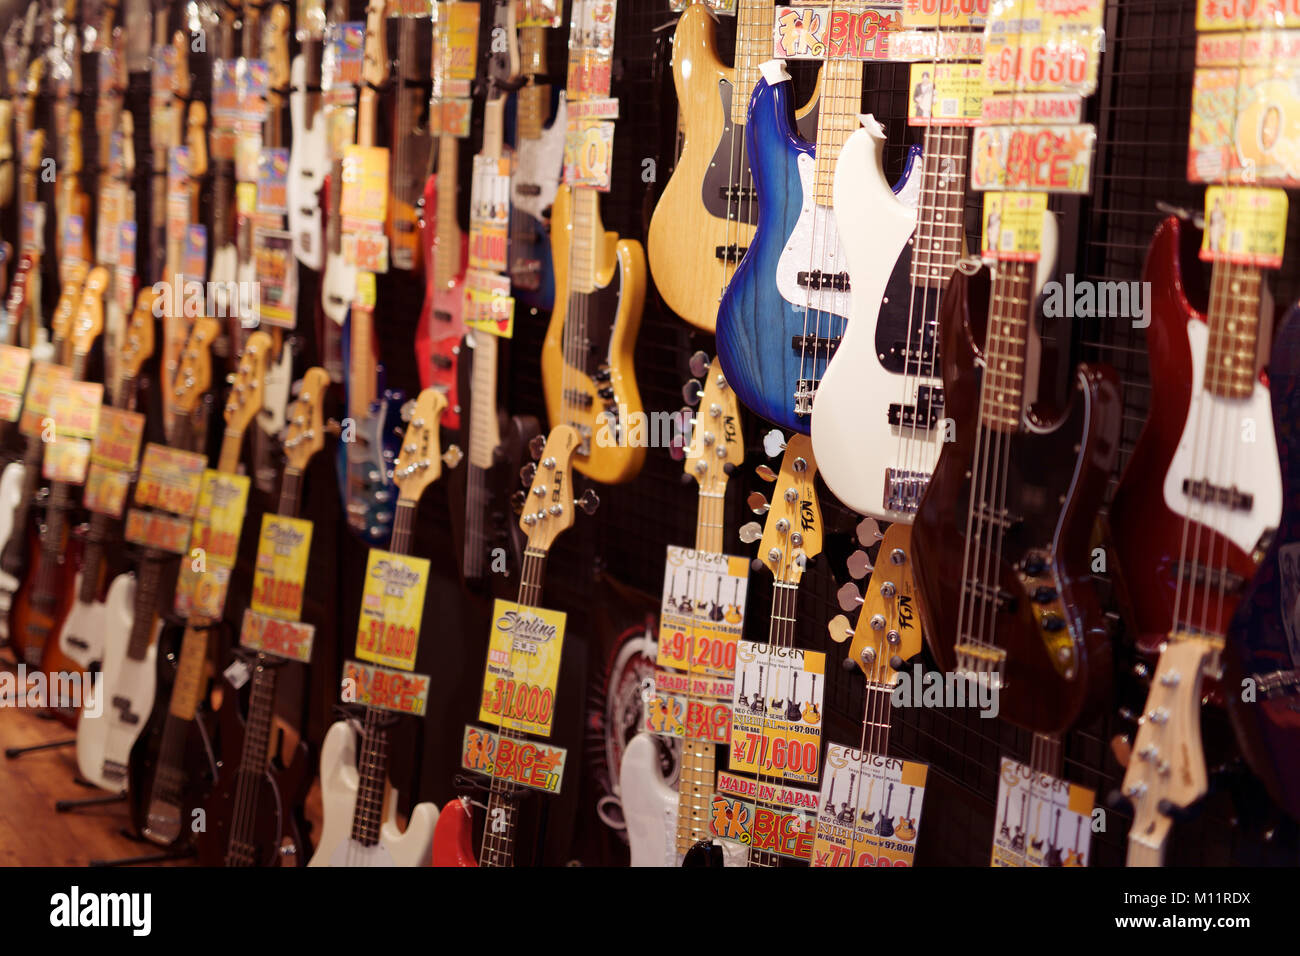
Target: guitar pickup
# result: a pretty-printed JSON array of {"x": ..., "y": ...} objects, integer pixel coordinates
[
  {"x": 738, "y": 193},
  {"x": 576, "y": 396},
  {"x": 1206, "y": 491},
  {"x": 731, "y": 253},
  {"x": 1000, "y": 517},
  {"x": 988, "y": 592},
  {"x": 528, "y": 189},
  {"x": 114, "y": 770},
  {"x": 1198, "y": 574},
  {"x": 924, "y": 414},
  {"x": 815, "y": 344},
  {"x": 442, "y": 315},
  {"x": 834, "y": 281}
]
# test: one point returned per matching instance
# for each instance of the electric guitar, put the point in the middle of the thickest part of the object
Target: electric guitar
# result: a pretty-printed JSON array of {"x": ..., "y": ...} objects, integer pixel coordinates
[
  {"x": 664, "y": 822},
  {"x": 224, "y": 273},
  {"x": 587, "y": 371},
  {"x": 437, "y": 343},
  {"x": 411, "y": 140},
  {"x": 885, "y": 827},
  {"x": 1053, "y": 857},
  {"x": 551, "y": 482},
  {"x": 539, "y": 161},
  {"x": 848, "y": 809},
  {"x": 1073, "y": 857},
  {"x": 256, "y": 801},
  {"x": 132, "y": 669},
  {"x": 173, "y": 764},
  {"x": 309, "y": 154},
  {"x": 704, "y": 222},
  {"x": 339, "y": 280},
  {"x": 811, "y": 713},
  {"x": 905, "y": 828},
  {"x": 1019, "y": 489},
  {"x": 785, "y": 308},
  {"x": 1196, "y": 504},
  {"x": 1263, "y": 642},
  {"x": 360, "y": 822},
  {"x": 365, "y": 462}
]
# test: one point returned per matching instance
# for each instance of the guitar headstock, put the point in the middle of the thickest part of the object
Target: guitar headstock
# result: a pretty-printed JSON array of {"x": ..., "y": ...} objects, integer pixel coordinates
[
  {"x": 304, "y": 430},
  {"x": 888, "y": 630},
  {"x": 90, "y": 315},
  {"x": 421, "y": 459},
  {"x": 138, "y": 342},
  {"x": 69, "y": 301},
  {"x": 35, "y": 76},
  {"x": 1167, "y": 766},
  {"x": 194, "y": 370},
  {"x": 275, "y": 46},
  {"x": 792, "y": 533},
  {"x": 503, "y": 64},
  {"x": 717, "y": 448},
  {"x": 246, "y": 391},
  {"x": 74, "y": 157},
  {"x": 374, "y": 67},
  {"x": 548, "y": 505},
  {"x": 126, "y": 126},
  {"x": 181, "y": 75},
  {"x": 196, "y": 139},
  {"x": 35, "y": 152}
]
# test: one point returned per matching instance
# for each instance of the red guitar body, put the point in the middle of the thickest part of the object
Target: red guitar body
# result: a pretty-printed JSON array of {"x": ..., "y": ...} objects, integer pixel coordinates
[
  {"x": 41, "y": 606},
  {"x": 1147, "y": 534},
  {"x": 453, "y": 843},
  {"x": 437, "y": 342}
]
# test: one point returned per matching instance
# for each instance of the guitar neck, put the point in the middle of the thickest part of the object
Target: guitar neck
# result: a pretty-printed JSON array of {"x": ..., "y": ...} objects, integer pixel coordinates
[
  {"x": 837, "y": 120},
  {"x": 1002, "y": 397},
  {"x": 940, "y": 230},
  {"x": 1230, "y": 361},
  {"x": 255, "y": 758},
  {"x": 148, "y": 598},
  {"x": 446, "y": 263},
  {"x": 754, "y": 22},
  {"x": 372, "y": 766}
]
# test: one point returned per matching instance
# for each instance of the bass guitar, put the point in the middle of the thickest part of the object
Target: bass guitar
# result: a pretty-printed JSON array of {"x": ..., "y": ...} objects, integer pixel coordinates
[
  {"x": 309, "y": 155},
  {"x": 360, "y": 811},
  {"x": 704, "y": 222},
  {"x": 253, "y": 813}
]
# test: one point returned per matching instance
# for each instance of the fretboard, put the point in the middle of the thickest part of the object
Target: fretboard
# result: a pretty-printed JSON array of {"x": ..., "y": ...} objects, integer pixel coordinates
[
  {"x": 582, "y": 240},
  {"x": 940, "y": 237},
  {"x": 372, "y": 766},
  {"x": 145, "y": 612},
  {"x": 754, "y": 22},
  {"x": 1002, "y": 396},
  {"x": 257, "y": 732},
  {"x": 1230, "y": 370},
  {"x": 446, "y": 259},
  {"x": 837, "y": 120}
]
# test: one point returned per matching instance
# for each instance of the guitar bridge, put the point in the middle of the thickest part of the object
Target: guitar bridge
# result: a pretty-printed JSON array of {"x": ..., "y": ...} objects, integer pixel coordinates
[
  {"x": 903, "y": 489},
  {"x": 804, "y": 394},
  {"x": 976, "y": 659}
]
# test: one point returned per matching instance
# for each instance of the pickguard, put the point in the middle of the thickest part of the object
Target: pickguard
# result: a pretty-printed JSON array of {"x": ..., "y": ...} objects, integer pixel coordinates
[
  {"x": 1230, "y": 445},
  {"x": 538, "y": 166},
  {"x": 813, "y": 249}
]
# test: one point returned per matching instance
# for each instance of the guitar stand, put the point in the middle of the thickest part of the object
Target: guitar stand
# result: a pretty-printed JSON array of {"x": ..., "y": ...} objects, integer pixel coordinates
[
  {"x": 99, "y": 800},
  {"x": 14, "y": 752},
  {"x": 159, "y": 857}
]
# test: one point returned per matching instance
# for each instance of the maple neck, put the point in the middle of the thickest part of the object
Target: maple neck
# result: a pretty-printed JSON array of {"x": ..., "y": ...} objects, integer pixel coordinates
[
  {"x": 362, "y": 368},
  {"x": 446, "y": 264},
  {"x": 484, "y": 436},
  {"x": 290, "y": 492},
  {"x": 532, "y": 107},
  {"x": 532, "y": 51},
  {"x": 837, "y": 120},
  {"x": 709, "y": 516},
  {"x": 1002, "y": 397},
  {"x": 940, "y": 230},
  {"x": 367, "y": 116},
  {"x": 1233, "y": 318},
  {"x": 231, "y": 444},
  {"x": 190, "y": 673},
  {"x": 372, "y": 767},
  {"x": 583, "y": 239},
  {"x": 785, "y": 601},
  {"x": 148, "y": 594},
  {"x": 697, "y": 771},
  {"x": 754, "y": 22}
]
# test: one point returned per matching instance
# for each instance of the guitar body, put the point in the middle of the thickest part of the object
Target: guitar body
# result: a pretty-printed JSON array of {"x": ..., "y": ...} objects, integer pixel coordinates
[
  {"x": 856, "y": 444},
  {"x": 1149, "y": 517},
  {"x": 338, "y": 283},
  {"x": 81, "y": 638},
  {"x": 538, "y": 165},
  {"x": 338, "y": 782},
  {"x": 37, "y": 616},
  {"x": 277, "y": 827},
  {"x": 453, "y": 837},
  {"x": 365, "y": 468},
  {"x": 11, "y": 493},
  {"x": 167, "y": 816},
  {"x": 104, "y": 743},
  {"x": 442, "y": 325},
  {"x": 308, "y": 162},
  {"x": 611, "y": 317},
  {"x": 1056, "y": 478},
  {"x": 1263, "y": 642},
  {"x": 650, "y": 810}
]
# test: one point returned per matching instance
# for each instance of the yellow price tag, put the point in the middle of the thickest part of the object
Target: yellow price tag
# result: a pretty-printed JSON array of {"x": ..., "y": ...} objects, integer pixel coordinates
[
  {"x": 392, "y": 603},
  {"x": 523, "y": 668},
  {"x": 1013, "y": 226},
  {"x": 1244, "y": 225},
  {"x": 281, "y": 568}
]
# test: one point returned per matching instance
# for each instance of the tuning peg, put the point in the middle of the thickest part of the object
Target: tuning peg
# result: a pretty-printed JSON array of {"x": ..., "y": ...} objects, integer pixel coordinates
[
  {"x": 839, "y": 628},
  {"x": 527, "y": 473},
  {"x": 766, "y": 473},
  {"x": 537, "y": 446},
  {"x": 408, "y": 410},
  {"x": 849, "y": 596},
  {"x": 691, "y": 392},
  {"x": 868, "y": 531},
  {"x": 699, "y": 364},
  {"x": 774, "y": 443},
  {"x": 1181, "y": 814},
  {"x": 1117, "y": 801},
  {"x": 452, "y": 456},
  {"x": 1121, "y": 746},
  {"x": 589, "y": 502},
  {"x": 757, "y": 502},
  {"x": 750, "y": 532},
  {"x": 859, "y": 565},
  {"x": 517, "y": 501}
]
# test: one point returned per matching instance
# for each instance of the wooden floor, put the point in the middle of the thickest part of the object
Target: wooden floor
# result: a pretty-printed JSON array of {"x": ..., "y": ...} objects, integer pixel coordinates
[{"x": 32, "y": 832}]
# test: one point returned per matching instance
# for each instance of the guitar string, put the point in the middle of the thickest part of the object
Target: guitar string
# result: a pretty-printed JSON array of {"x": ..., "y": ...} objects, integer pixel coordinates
[{"x": 739, "y": 195}]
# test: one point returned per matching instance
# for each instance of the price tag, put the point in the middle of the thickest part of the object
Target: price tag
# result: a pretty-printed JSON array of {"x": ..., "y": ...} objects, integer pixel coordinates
[
  {"x": 526, "y": 763},
  {"x": 225, "y": 110},
  {"x": 489, "y": 219},
  {"x": 462, "y": 39},
  {"x": 170, "y": 479},
  {"x": 539, "y": 13},
  {"x": 237, "y": 673},
  {"x": 155, "y": 529},
  {"x": 588, "y": 153},
  {"x": 118, "y": 438},
  {"x": 252, "y": 83},
  {"x": 201, "y": 595},
  {"x": 869, "y": 810},
  {"x": 949, "y": 94},
  {"x": 277, "y": 277},
  {"x": 66, "y": 460},
  {"x": 1013, "y": 226},
  {"x": 450, "y": 115},
  {"x": 488, "y": 305},
  {"x": 281, "y": 568},
  {"x": 365, "y": 184},
  {"x": 194, "y": 263},
  {"x": 392, "y": 603},
  {"x": 219, "y": 517},
  {"x": 32, "y": 228},
  {"x": 523, "y": 667},
  {"x": 702, "y": 616},
  {"x": 1245, "y": 125},
  {"x": 1240, "y": 14},
  {"x": 14, "y": 365},
  {"x": 695, "y": 708},
  {"x": 397, "y": 691},
  {"x": 1244, "y": 226},
  {"x": 946, "y": 13},
  {"x": 365, "y": 247},
  {"x": 74, "y": 409},
  {"x": 1040, "y": 821},
  {"x": 830, "y": 32},
  {"x": 272, "y": 635},
  {"x": 41, "y": 384},
  {"x": 124, "y": 275},
  {"x": 344, "y": 54},
  {"x": 764, "y": 816},
  {"x": 589, "y": 73},
  {"x": 106, "y": 490},
  {"x": 776, "y": 712},
  {"x": 1042, "y": 45},
  {"x": 1025, "y": 108},
  {"x": 1048, "y": 158},
  {"x": 273, "y": 182}
]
